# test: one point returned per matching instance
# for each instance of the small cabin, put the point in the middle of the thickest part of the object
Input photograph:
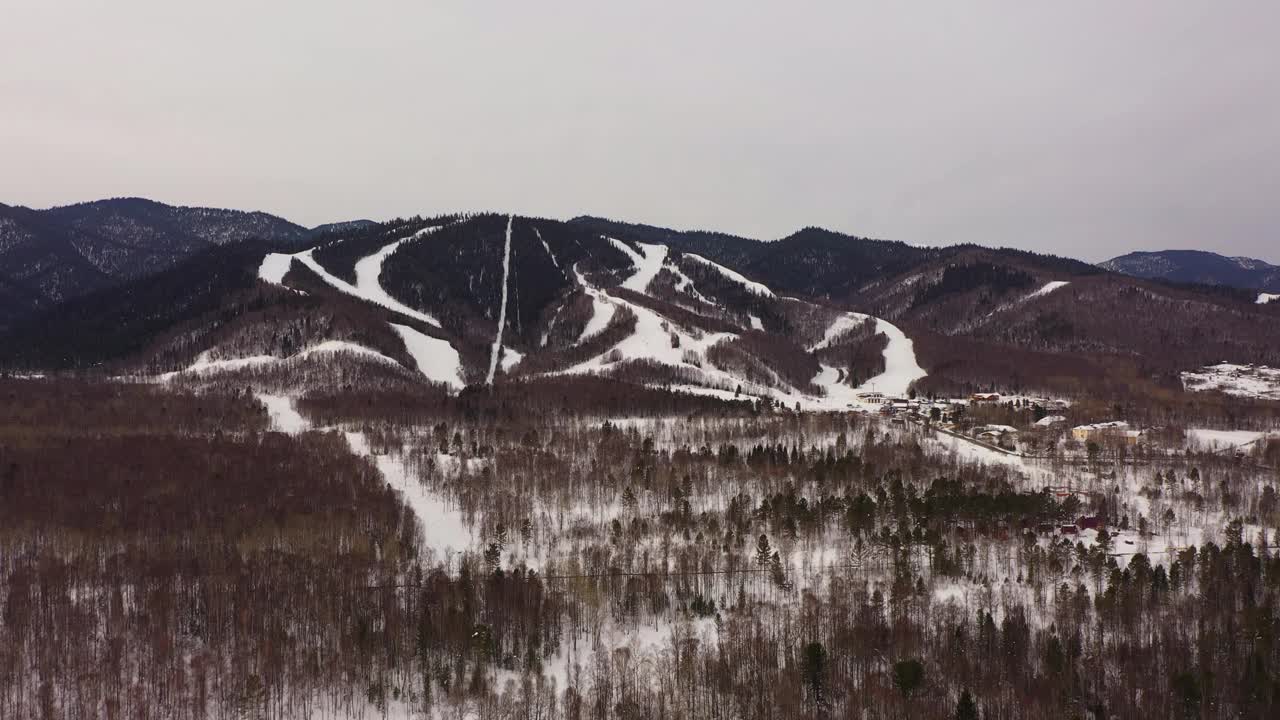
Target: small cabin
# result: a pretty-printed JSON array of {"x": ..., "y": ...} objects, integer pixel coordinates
[{"x": 1091, "y": 522}]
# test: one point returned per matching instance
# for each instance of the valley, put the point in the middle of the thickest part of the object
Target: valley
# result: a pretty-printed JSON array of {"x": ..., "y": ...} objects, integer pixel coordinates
[{"x": 497, "y": 466}]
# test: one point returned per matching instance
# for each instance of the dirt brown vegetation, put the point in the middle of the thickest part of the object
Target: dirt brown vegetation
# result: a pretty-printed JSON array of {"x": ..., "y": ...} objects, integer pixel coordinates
[{"x": 630, "y": 556}]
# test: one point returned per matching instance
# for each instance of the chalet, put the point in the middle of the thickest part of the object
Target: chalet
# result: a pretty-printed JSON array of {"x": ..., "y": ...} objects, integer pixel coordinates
[
  {"x": 1068, "y": 530},
  {"x": 871, "y": 398},
  {"x": 984, "y": 398}
]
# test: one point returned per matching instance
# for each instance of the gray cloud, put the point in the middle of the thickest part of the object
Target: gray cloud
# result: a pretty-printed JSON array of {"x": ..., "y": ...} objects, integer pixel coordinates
[{"x": 1084, "y": 128}]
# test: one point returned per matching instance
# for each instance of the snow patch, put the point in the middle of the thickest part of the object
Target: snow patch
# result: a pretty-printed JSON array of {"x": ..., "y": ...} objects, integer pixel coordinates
[
  {"x": 284, "y": 414},
  {"x": 1264, "y": 298},
  {"x": 275, "y": 266},
  {"x": 436, "y": 359},
  {"x": 1048, "y": 288}
]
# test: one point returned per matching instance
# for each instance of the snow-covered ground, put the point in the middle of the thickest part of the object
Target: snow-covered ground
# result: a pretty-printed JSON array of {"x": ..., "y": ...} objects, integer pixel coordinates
[
  {"x": 1253, "y": 381},
  {"x": 204, "y": 365},
  {"x": 284, "y": 415},
  {"x": 1217, "y": 440},
  {"x": 647, "y": 265},
  {"x": 443, "y": 527},
  {"x": 1264, "y": 298},
  {"x": 436, "y": 359},
  {"x": 1048, "y": 288}
]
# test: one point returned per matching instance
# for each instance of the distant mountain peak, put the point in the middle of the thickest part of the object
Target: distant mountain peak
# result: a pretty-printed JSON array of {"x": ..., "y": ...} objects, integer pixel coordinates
[{"x": 1198, "y": 266}]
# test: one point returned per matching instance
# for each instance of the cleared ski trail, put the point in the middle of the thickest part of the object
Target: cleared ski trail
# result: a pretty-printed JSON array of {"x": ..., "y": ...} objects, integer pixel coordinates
[
  {"x": 900, "y": 365},
  {"x": 368, "y": 271},
  {"x": 443, "y": 527},
  {"x": 502, "y": 309}
]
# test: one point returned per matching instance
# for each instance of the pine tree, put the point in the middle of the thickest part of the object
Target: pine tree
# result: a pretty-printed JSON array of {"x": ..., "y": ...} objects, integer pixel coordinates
[
  {"x": 966, "y": 709},
  {"x": 815, "y": 661},
  {"x": 763, "y": 551}
]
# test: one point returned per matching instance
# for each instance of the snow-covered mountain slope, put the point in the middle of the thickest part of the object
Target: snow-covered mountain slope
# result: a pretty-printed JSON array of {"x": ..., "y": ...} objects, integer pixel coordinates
[{"x": 489, "y": 299}]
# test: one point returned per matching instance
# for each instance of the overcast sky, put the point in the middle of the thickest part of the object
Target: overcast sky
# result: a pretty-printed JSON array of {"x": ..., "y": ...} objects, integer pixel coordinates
[{"x": 1081, "y": 128}]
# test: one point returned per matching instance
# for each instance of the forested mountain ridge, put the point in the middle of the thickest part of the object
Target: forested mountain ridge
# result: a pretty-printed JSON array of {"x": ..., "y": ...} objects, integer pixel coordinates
[
  {"x": 1198, "y": 266},
  {"x": 464, "y": 300},
  {"x": 48, "y": 256}
]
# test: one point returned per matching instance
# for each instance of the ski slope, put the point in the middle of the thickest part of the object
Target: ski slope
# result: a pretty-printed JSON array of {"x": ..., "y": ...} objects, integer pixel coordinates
[
  {"x": 436, "y": 359},
  {"x": 368, "y": 270},
  {"x": 750, "y": 285},
  {"x": 901, "y": 366},
  {"x": 502, "y": 309},
  {"x": 203, "y": 365},
  {"x": 1048, "y": 288},
  {"x": 443, "y": 527},
  {"x": 648, "y": 263}
]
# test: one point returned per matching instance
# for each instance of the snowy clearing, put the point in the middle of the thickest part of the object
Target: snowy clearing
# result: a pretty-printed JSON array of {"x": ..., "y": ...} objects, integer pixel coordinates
[
  {"x": 275, "y": 266},
  {"x": 1253, "y": 381},
  {"x": 436, "y": 359},
  {"x": 284, "y": 415},
  {"x": 1223, "y": 439}
]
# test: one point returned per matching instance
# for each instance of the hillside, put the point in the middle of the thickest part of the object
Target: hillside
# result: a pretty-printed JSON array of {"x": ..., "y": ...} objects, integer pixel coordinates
[
  {"x": 1197, "y": 266},
  {"x": 48, "y": 256},
  {"x": 813, "y": 319}
]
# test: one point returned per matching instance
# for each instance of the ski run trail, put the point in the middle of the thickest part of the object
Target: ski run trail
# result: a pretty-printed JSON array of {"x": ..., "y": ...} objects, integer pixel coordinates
[
  {"x": 502, "y": 308},
  {"x": 438, "y": 361},
  {"x": 443, "y": 527},
  {"x": 900, "y": 365},
  {"x": 368, "y": 271}
]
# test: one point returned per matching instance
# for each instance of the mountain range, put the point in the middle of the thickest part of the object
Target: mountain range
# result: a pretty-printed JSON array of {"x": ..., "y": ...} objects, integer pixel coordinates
[
  {"x": 816, "y": 318},
  {"x": 1198, "y": 266},
  {"x": 48, "y": 256}
]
